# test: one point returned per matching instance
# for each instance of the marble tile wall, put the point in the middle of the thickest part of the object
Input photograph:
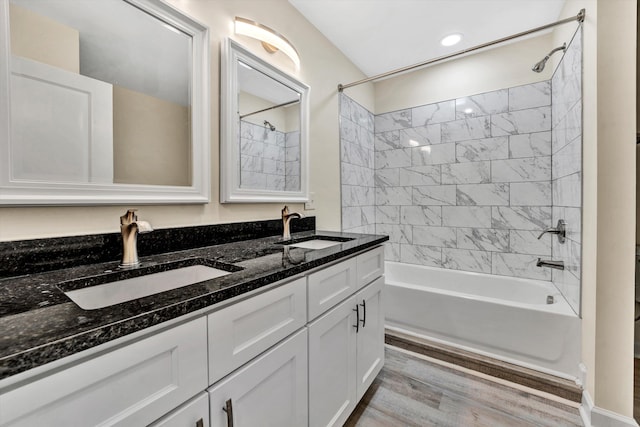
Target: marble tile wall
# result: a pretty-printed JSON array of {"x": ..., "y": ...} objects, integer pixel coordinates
[
  {"x": 269, "y": 160},
  {"x": 466, "y": 183},
  {"x": 566, "y": 168},
  {"x": 357, "y": 167}
]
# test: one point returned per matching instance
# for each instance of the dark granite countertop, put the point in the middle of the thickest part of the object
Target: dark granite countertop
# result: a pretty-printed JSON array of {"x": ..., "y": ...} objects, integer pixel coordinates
[{"x": 40, "y": 324}]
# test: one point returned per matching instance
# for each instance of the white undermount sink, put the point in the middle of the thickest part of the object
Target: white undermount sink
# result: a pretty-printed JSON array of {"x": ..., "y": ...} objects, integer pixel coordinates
[
  {"x": 314, "y": 244},
  {"x": 119, "y": 291}
]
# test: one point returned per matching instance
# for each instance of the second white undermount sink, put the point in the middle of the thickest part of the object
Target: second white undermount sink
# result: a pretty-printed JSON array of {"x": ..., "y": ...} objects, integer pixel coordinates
[
  {"x": 119, "y": 291},
  {"x": 315, "y": 244}
]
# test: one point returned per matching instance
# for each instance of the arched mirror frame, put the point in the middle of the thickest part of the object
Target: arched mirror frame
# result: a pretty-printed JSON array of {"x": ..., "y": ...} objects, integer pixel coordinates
[
  {"x": 230, "y": 189},
  {"x": 29, "y": 193}
]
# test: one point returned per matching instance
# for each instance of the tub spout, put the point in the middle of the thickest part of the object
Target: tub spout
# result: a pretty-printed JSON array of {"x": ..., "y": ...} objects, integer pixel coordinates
[{"x": 558, "y": 265}]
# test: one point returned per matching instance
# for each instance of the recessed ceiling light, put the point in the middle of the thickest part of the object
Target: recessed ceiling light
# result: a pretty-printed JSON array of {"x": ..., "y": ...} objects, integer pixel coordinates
[{"x": 451, "y": 39}]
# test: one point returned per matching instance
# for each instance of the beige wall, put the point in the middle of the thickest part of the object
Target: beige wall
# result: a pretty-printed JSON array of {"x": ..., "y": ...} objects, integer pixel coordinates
[
  {"x": 40, "y": 38},
  {"x": 497, "y": 68},
  {"x": 323, "y": 68},
  {"x": 250, "y": 103},
  {"x": 151, "y": 140}
]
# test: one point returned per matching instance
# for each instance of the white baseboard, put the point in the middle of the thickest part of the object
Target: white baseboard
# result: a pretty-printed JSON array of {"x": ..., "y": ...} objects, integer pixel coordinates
[{"x": 592, "y": 416}]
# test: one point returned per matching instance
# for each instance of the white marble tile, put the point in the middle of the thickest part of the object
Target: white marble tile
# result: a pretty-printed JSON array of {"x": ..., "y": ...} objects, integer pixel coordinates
[
  {"x": 521, "y": 170},
  {"x": 522, "y": 121},
  {"x": 567, "y": 191},
  {"x": 253, "y": 180},
  {"x": 396, "y": 196},
  {"x": 433, "y": 113},
  {"x": 351, "y": 217},
  {"x": 433, "y": 154},
  {"x": 466, "y": 216},
  {"x": 421, "y": 215},
  {"x": 292, "y": 183},
  {"x": 567, "y": 160},
  {"x": 483, "y": 239},
  {"x": 348, "y": 130},
  {"x": 249, "y": 147},
  {"x": 530, "y": 96},
  {"x": 275, "y": 182},
  {"x": 393, "y": 158},
  {"x": 527, "y": 242},
  {"x": 357, "y": 196},
  {"x": 483, "y": 104},
  {"x": 388, "y": 141},
  {"x": 387, "y": 177},
  {"x": 434, "y": 195},
  {"x": 422, "y": 255},
  {"x": 568, "y": 129},
  {"x": 467, "y": 260},
  {"x": 392, "y": 121},
  {"x": 483, "y": 149},
  {"x": 521, "y": 218},
  {"x": 356, "y": 175},
  {"x": 398, "y": 233},
  {"x": 368, "y": 214},
  {"x": 356, "y": 154},
  {"x": 292, "y": 154},
  {"x": 274, "y": 167},
  {"x": 482, "y": 194},
  {"x": 392, "y": 251},
  {"x": 442, "y": 237},
  {"x": 280, "y": 139},
  {"x": 569, "y": 286},
  {"x": 418, "y": 136},
  {"x": 420, "y": 175},
  {"x": 387, "y": 214},
  {"x": 251, "y": 164},
  {"x": 293, "y": 168},
  {"x": 274, "y": 152},
  {"x": 569, "y": 252},
  {"x": 466, "y": 173},
  {"x": 465, "y": 129},
  {"x": 530, "y": 193},
  {"x": 530, "y": 145},
  {"x": 517, "y": 265}
]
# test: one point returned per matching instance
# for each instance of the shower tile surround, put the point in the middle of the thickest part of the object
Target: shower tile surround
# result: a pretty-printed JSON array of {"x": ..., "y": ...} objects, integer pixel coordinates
[
  {"x": 469, "y": 183},
  {"x": 269, "y": 160}
]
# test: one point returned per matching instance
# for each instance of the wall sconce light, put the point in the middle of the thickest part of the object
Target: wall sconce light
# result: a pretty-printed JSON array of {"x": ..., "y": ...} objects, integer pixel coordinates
[{"x": 271, "y": 40}]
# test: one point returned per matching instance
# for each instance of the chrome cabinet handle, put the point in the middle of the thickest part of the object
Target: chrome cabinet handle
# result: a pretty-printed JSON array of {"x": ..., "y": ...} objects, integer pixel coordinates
[
  {"x": 364, "y": 312},
  {"x": 357, "y": 325},
  {"x": 228, "y": 408},
  {"x": 200, "y": 423}
]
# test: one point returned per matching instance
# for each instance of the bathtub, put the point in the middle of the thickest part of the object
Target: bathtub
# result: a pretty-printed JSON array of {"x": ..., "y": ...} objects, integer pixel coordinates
[{"x": 497, "y": 316}]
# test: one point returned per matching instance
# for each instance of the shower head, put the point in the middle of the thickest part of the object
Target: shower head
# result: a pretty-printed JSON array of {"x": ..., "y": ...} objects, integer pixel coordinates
[
  {"x": 540, "y": 65},
  {"x": 270, "y": 126}
]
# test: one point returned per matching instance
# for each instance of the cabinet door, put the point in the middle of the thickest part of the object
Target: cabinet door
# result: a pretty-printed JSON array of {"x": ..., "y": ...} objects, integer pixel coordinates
[
  {"x": 332, "y": 366},
  {"x": 194, "y": 413},
  {"x": 270, "y": 391},
  {"x": 370, "y": 336},
  {"x": 130, "y": 386},
  {"x": 240, "y": 332},
  {"x": 330, "y": 286}
]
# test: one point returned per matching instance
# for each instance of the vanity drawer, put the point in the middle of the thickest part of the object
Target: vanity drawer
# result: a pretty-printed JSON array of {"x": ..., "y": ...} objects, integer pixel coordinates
[
  {"x": 330, "y": 286},
  {"x": 370, "y": 266},
  {"x": 242, "y": 331},
  {"x": 194, "y": 413},
  {"x": 130, "y": 386}
]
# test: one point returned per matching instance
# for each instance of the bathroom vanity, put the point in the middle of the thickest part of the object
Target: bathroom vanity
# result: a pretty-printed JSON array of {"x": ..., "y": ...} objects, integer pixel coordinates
[{"x": 293, "y": 337}]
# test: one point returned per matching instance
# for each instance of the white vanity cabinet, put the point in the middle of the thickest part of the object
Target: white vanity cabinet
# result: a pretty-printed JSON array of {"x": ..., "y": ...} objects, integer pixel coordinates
[
  {"x": 346, "y": 346},
  {"x": 130, "y": 386}
]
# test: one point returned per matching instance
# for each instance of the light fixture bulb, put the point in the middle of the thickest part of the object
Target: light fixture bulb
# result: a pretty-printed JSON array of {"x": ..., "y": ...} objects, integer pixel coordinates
[
  {"x": 451, "y": 39},
  {"x": 271, "y": 40}
]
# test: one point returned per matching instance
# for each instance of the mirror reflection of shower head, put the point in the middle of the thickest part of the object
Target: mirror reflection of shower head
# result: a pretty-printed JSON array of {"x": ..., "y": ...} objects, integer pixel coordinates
[
  {"x": 270, "y": 126},
  {"x": 540, "y": 65}
]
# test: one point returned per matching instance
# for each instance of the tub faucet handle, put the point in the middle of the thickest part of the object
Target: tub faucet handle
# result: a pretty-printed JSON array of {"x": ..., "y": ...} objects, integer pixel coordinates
[{"x": 560, "y": 230}]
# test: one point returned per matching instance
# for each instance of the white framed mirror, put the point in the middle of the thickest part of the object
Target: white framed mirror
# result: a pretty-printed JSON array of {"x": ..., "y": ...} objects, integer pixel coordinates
[
  {"x": 264, "y": 125},
  {"x": 103, "y": 102}
]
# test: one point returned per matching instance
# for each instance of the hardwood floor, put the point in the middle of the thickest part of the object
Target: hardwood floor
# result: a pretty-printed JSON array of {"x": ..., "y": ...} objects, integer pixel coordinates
[
  {"x": 412, "y": 391},
  {"x": 636, "y": 390}
]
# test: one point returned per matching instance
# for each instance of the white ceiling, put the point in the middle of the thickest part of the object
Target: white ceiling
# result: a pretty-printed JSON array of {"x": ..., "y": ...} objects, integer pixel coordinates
[{"x": 382, "y": 35}]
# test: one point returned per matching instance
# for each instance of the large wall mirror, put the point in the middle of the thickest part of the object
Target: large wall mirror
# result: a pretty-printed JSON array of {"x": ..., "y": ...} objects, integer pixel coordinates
[
  {"x": 263, "y": 131},
  {"x": 102, "y": 102}
]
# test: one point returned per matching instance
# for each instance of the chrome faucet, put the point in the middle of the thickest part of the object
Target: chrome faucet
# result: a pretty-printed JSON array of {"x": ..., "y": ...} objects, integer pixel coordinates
[
  {"x": 130, "y": 226},
  {"x": 560, "y": 230},
  {"x": 286, "y": 219},
  {"x": 558, "y": 265}
]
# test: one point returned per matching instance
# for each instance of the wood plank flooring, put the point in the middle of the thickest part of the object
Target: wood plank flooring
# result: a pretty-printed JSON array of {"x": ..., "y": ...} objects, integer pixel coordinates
[
  {"x": 636, "y": 390},
  {"x": 412, "y": 391}
]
